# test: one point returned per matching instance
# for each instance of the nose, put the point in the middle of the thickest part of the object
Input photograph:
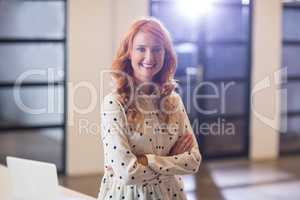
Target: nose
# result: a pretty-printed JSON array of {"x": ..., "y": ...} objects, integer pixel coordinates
[{"x": 149, "y": 56}]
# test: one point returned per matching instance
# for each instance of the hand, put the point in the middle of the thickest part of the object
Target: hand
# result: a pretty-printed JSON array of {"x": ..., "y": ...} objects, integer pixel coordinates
[
  {"x": 142, "y": 159},
  {"x": 183, "y": 144}
]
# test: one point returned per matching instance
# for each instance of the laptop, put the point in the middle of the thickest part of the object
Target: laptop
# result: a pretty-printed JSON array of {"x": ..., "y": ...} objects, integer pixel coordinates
[{"x": 34, "y": 180}]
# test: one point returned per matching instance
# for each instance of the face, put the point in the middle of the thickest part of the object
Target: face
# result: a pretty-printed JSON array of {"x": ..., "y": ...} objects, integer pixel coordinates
[{"x": 147, "y": 56}]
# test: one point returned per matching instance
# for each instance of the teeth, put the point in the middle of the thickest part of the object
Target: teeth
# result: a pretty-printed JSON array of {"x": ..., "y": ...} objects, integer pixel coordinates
[{"x": 147, "y": 65}]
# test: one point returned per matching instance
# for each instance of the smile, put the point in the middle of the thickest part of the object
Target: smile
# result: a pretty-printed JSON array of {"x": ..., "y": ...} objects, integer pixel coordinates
[{"x": 144, "y": 65}]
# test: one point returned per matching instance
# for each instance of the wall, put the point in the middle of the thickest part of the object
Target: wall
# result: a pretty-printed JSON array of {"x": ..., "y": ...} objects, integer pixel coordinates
[
  {"x": 94, "y": 31},
  {"x": 266, "y": 60}
]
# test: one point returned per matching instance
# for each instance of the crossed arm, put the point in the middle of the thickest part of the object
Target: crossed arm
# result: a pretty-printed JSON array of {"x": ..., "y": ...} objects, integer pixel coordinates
[
  {"x": 184, "y": 157},
  {"x": 183, "y": 144}
]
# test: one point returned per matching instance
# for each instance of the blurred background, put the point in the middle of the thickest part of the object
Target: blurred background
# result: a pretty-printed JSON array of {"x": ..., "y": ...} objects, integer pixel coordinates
[{"x": 53, "y": 60}]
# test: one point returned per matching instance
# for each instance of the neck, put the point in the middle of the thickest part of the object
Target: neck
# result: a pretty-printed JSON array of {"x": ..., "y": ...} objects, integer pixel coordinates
[{"x": 144, "y": 87}]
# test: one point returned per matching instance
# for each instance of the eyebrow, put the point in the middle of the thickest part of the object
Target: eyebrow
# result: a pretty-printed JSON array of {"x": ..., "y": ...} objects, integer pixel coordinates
[{"x": 142, "y": 45}]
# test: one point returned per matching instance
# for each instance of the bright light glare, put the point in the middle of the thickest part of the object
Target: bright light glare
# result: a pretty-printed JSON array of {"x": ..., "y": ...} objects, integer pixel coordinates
[
  {"x": 245, "y": 2},
  {"x": 194, "y": 8}
]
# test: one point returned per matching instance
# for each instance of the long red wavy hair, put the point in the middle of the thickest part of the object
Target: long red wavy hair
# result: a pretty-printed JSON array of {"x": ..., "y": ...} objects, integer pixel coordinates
[{"x": 164, "y": 79}]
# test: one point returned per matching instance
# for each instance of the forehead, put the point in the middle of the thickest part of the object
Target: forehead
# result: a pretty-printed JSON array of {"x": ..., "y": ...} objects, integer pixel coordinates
[{"x": 146, "y": 39}]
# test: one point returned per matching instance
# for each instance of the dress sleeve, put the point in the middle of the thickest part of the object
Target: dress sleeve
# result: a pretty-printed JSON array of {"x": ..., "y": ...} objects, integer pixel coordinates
[
  {"x": 185, "y": 163},
  {"x": 119, "y": 155}
]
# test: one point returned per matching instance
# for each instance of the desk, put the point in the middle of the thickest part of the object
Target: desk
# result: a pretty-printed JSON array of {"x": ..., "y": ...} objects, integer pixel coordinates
[{"x": 5, "y": 188}]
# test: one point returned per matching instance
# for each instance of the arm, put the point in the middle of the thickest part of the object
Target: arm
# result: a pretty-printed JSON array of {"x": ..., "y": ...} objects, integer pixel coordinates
[
  {"x": 122, "y": 161},
  {"x": 184, "y": 163}
]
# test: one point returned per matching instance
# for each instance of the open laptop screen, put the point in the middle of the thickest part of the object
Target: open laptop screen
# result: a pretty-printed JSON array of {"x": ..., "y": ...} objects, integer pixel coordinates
[{"x": 33, "y": 180}]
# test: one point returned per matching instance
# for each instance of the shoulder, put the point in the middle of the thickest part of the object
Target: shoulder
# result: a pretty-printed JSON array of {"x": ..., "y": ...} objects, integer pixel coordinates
[
  {"x": 175, "y": 95},
  {"x": 111, "y": 103},
  {"x": 175, "y": 98}
]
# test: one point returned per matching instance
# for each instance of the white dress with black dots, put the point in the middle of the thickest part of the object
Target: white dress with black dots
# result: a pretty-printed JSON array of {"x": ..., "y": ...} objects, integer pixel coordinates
[{"x": 124, "y": 177}]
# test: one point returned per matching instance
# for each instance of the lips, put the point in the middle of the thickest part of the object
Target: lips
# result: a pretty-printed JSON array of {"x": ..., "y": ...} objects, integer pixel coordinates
[{"x": 147, "y": 65}]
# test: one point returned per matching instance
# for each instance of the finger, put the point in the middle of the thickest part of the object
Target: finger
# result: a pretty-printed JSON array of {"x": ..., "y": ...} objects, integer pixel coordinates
[
  {"x": 187, "y": 134},
  {"x": 188, "y": 144},
  {"x": 183, "y": 137},
  {"x": 175, "y": 149},
  {"x": 182, "y": 143},
  {"x": 179, "y": 144}
]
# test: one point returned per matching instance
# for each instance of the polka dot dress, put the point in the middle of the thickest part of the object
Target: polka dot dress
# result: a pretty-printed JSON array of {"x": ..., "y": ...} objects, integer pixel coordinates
[{"x": 124, "y": 177}]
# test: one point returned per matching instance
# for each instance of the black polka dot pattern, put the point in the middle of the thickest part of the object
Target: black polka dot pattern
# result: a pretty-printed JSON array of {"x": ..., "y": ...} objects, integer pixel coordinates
[{"x": 121, "y": 150}]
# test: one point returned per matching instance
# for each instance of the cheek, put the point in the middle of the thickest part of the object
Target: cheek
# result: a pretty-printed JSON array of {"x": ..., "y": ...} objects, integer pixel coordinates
[
  {"x": 161, "y": 59},
  {"x": 134, "y": 59}
]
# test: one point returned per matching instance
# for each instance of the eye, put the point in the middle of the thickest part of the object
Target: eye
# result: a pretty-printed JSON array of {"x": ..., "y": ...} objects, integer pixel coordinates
[
  {"x": 141, "y": 49},
  {"x": 157, "y": 50}
]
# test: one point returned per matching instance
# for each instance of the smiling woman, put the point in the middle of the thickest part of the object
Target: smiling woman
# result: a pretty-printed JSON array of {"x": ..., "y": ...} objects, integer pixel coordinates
[
  {"x": 147, "y": 56},
  {"x": 147, "y": 137}
]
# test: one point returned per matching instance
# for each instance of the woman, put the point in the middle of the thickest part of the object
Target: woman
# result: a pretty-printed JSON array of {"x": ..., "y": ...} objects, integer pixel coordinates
[{"x": 147, "y": 137}]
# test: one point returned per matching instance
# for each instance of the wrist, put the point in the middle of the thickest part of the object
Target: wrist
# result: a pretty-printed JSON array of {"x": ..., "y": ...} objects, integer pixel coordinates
[{"x": 143, "y": 160}]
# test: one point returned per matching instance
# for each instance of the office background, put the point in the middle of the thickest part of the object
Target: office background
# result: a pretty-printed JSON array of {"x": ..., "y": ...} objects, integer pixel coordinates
[{"x": 65, "y": 43}]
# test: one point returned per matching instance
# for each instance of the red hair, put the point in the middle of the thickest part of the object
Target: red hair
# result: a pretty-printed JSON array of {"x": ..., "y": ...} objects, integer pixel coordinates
[{"x": 164, "y": 78}]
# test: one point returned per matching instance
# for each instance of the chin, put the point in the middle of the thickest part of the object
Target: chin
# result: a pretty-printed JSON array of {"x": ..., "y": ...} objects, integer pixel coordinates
[{"x": 145, "y": 78}]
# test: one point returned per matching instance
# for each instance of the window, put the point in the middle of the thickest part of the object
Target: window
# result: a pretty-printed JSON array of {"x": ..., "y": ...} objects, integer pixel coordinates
[
  {"x": 290, "y": 136},
  {"x": 32, "y": 81},
  {"x": 213, "y": 52}
]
